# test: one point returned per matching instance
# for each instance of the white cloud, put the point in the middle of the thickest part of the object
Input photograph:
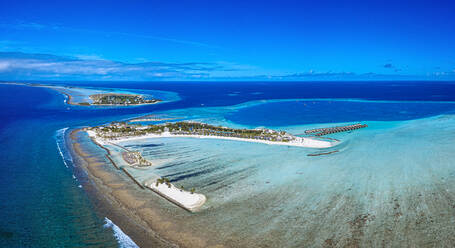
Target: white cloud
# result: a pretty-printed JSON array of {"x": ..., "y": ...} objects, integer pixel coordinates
[
  {"x": 4, "y": 65},
  {"x": 18, "y": 65},
  {"x": 88, "y": 56},
  {"x": 22, "y": 25}
]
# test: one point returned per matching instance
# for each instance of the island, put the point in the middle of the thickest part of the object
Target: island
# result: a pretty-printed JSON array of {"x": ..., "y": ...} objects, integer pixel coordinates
[
  {"x": 123, "y": 158},
  {"x": 85, "y": 96},
  {"x": 123, "y": 131},
  {"x": 119, "y": 99},
  {"x": 110, "y": 136}
]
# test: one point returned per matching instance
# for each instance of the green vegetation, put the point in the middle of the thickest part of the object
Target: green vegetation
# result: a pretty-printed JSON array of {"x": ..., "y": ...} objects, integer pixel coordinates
[
  {"x": 120, "y": 99},
  {"x": 123, "y": 129},
  {"x": 163, "y": 180}
]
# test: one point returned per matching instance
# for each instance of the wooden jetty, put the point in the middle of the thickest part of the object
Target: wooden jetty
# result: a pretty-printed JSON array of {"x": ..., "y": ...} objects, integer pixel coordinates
[{"x": 329, "y": 130}]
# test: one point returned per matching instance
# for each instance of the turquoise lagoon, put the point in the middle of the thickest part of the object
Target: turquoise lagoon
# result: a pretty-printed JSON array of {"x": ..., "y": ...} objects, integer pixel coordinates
[
  {"x": 396, "y": 176},
  {"x": 391, "y": 184}
]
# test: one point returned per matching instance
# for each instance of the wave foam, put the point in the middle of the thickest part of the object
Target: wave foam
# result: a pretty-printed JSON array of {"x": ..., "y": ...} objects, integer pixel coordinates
[
  {"x": 60, "y": 140},
  {"x": 124, "y": 240}
]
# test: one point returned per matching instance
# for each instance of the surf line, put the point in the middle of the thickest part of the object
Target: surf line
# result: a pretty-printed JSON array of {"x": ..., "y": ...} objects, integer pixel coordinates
[{"x": 60, "y": 134}]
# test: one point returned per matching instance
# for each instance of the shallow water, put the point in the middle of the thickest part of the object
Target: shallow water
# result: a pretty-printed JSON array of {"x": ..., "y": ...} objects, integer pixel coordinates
[
  {"x": 389, "y": 176},
  {"x": 390, "y": 183}
]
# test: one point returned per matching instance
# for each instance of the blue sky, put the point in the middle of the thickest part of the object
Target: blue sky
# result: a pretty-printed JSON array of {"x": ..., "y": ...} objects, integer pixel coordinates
[{"x": 227, "y": 40}]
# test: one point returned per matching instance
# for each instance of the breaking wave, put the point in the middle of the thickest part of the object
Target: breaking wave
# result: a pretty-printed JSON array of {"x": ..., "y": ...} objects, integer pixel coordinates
[
  {"x": 61, "y": 146},
  {"x": 124, "y": 240}
]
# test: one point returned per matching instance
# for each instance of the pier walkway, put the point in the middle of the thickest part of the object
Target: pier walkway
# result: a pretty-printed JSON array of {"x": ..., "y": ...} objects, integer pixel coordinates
[{"x": 329, "y": 130}]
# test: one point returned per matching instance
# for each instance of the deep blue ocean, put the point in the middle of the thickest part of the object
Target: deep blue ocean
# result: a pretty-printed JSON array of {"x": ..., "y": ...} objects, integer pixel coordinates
[{"x": 42, "y": 204}]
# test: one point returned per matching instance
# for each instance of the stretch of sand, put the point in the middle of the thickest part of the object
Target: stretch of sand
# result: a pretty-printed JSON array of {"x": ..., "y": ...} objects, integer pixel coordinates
[
  {"x": 190, "y": 201},
  {"x": 187, "y": 200},
  {"x": 299, "y": 141},
  {"x": 193, "y": 201},
  {"x": 142, "y": 215}
]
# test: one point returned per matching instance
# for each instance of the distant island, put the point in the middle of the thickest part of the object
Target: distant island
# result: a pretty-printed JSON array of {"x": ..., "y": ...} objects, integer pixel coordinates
[
  {"x": 81, "y": 96},
  {"x": 119, "y": 99}
]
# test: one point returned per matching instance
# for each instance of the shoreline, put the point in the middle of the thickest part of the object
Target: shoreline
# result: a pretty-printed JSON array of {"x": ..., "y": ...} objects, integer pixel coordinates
[
  {"x": 190, "y": 202},
  {"x": 304, "y": 142},
  {"x": 396, "y": 178},
  {"x": 70, "y": 98},
  {"x": 146, "y": 217},
  {"x": 101, "y": 192}
]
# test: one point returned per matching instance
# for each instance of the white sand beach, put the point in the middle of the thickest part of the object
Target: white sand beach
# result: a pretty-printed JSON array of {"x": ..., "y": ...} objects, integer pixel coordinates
[
  {"x": 185, "y": 199},
  {"x": 193, "y": 201},
  {"x": 299, "y": 141}
]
